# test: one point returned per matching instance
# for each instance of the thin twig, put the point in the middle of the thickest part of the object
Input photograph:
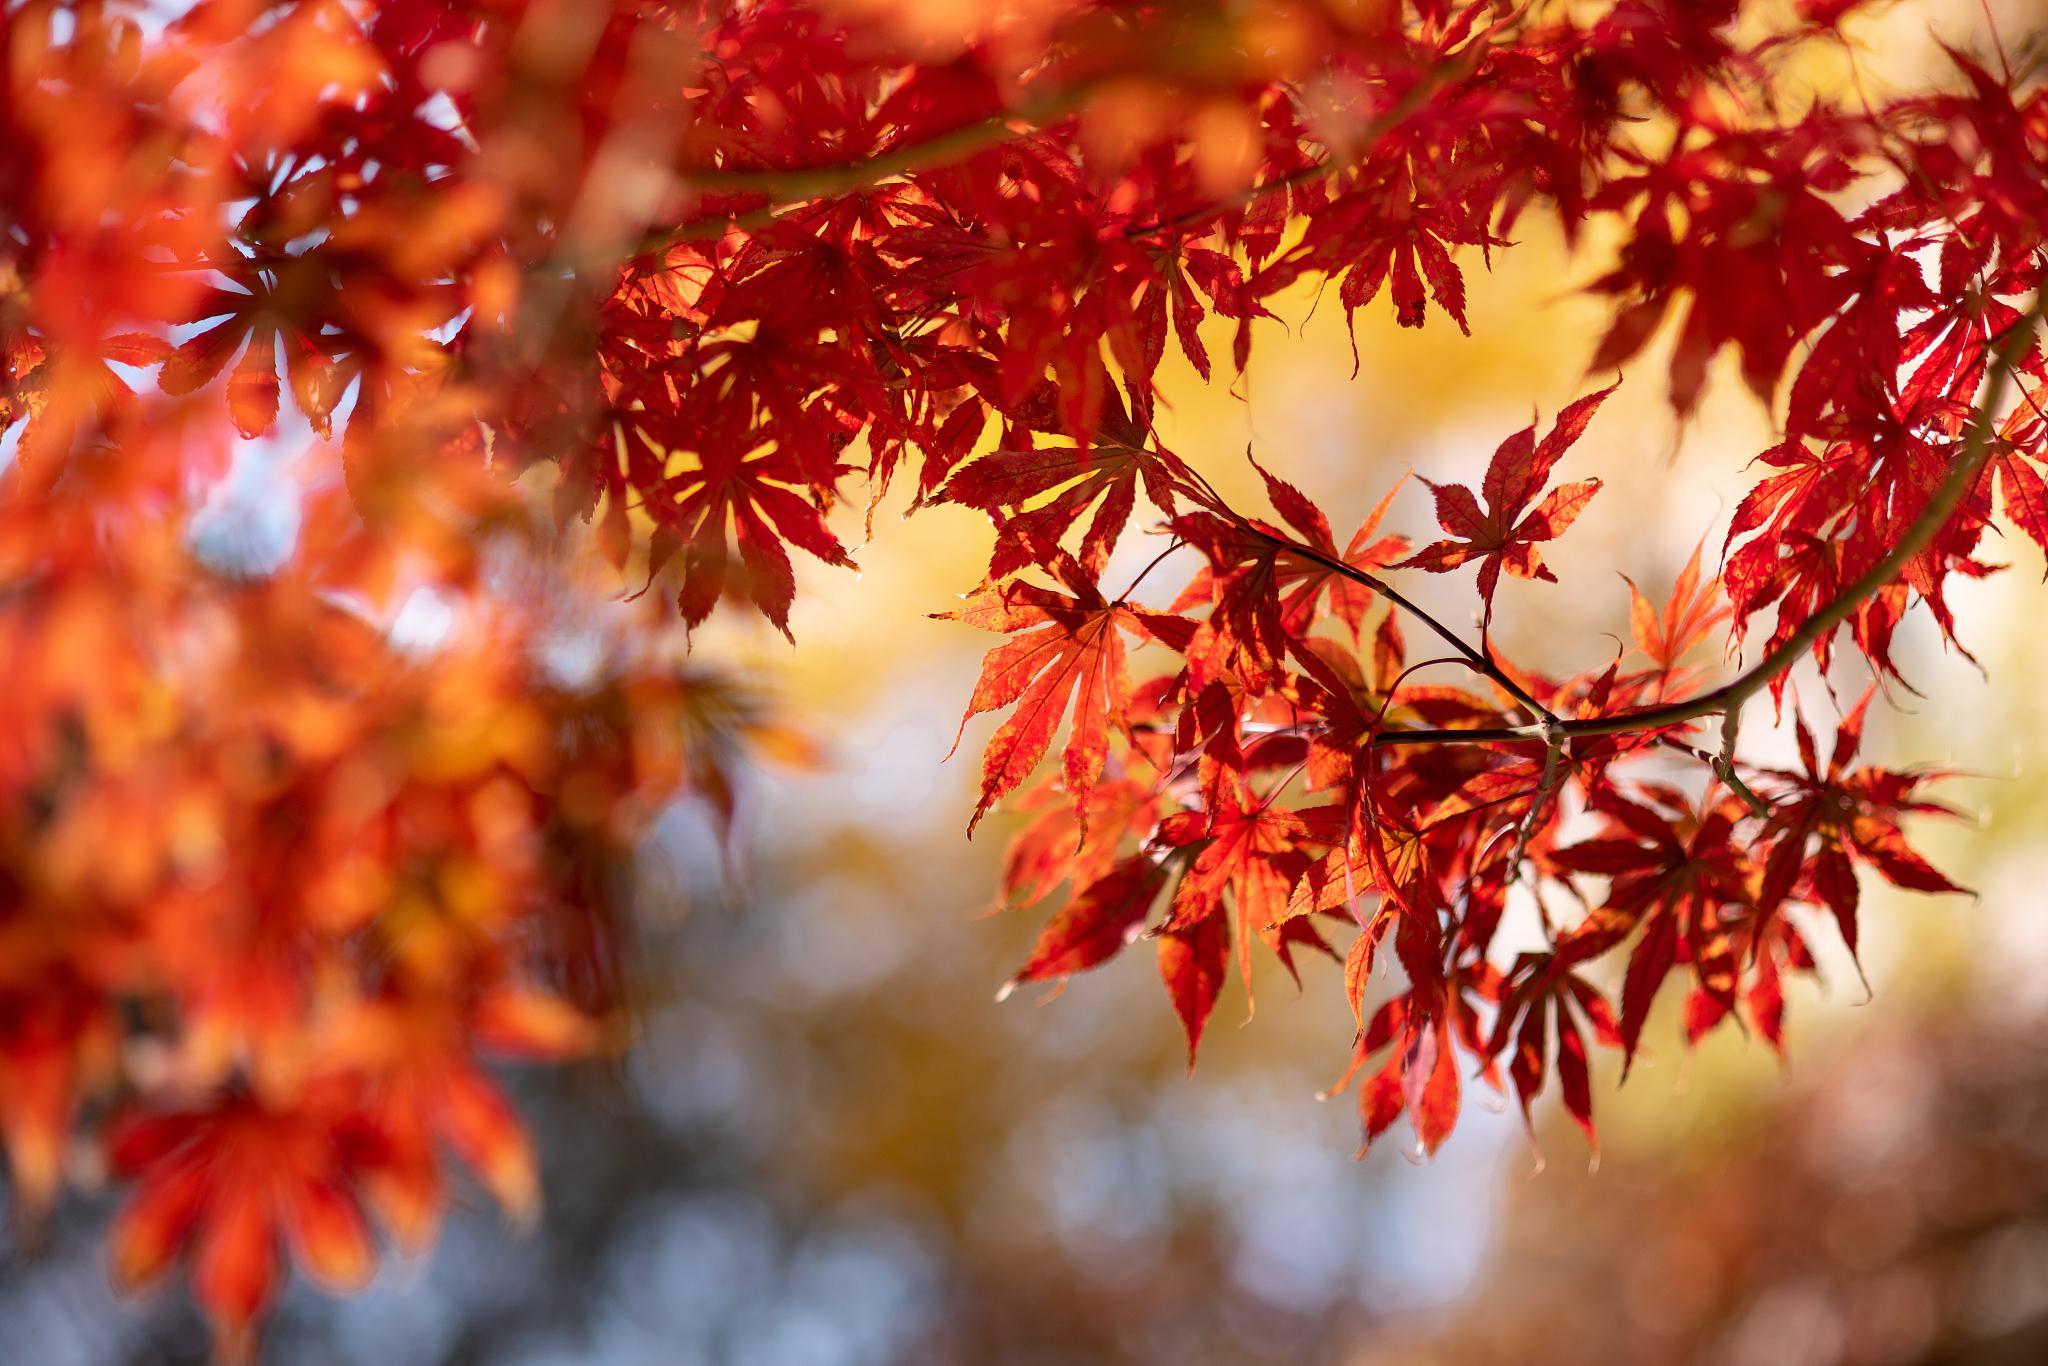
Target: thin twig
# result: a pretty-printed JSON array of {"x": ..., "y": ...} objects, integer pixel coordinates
[{"x": 1380, "y": 586}]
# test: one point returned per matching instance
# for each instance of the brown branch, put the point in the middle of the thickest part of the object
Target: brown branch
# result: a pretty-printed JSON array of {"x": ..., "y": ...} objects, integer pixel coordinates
[{"x": 1977, "y": 449}]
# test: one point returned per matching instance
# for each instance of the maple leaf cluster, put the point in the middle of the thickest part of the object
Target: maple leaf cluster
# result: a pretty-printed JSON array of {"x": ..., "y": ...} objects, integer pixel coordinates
[
  {"x": 276, "y": 881},
  {"x": 700, "y": 272},
  {"x": 319, "y": 775}
]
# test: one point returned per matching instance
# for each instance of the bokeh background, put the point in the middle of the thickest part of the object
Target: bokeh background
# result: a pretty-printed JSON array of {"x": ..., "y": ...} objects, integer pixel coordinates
[{"x": 832, "y": 1146}]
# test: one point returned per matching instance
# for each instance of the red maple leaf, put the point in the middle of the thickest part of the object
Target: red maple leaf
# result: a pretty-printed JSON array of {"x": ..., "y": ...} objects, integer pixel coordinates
[
  {"x": 1542, "y": 998},
  {"x": 1826, "y": 819},
  {"x": 1505, "y": 533},
  {"x": 1255, "y": 853},
  {"x": 1689, "y": 616},
  {"x": 1193, "y": 961},
  {"x": 1672, "y": 869},
  {"x": 1097, "y": 922},
  {"x": 1009, "y": 484},
  {"x": 234, "y": 1180},
  {"x": 1069, "y": 650},
  {"x": 755, "y": 494}
]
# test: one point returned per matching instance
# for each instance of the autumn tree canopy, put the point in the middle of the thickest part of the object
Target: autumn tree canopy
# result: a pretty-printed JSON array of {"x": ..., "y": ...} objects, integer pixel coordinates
[{"x": 632, "y": 302}]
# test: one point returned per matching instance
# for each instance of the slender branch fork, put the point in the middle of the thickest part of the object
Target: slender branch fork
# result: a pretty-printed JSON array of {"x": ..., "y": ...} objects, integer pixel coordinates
[{"x": 1727, "y": 699}]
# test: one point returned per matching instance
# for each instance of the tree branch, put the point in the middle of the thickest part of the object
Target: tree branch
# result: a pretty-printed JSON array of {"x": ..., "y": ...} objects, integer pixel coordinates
[{"x": 1977, "y": 449}]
